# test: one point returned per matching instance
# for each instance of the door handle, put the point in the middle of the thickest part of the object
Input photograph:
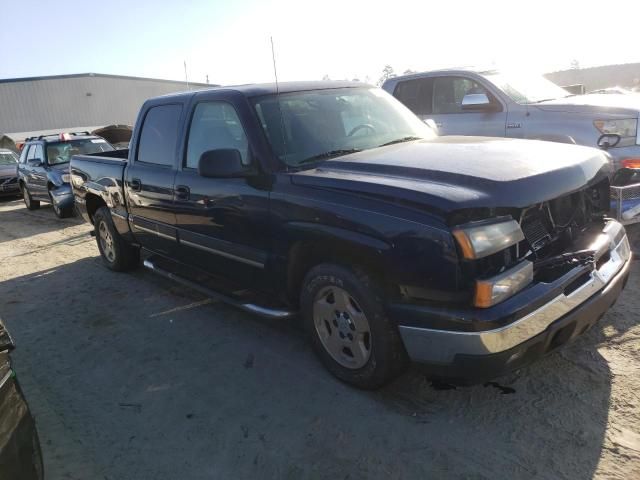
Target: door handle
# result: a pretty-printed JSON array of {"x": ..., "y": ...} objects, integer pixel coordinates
[
  {"x": 182, "y": 192},
  {"x": 135, "y": 184}
]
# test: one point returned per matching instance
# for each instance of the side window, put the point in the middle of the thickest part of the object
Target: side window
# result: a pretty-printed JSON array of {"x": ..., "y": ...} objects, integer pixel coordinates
[
  {"x": 416, "y": 95},
  {"x": 215, "y": 125},
  {"x": 448, "y": 93},
  {"x": 31, "y": 153},
  {"x": 159, "y": 135},
  {"x": 38, "y": 152}
]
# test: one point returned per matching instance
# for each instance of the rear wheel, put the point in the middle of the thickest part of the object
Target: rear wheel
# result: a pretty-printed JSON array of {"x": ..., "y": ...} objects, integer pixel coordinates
[
  {"x": 116, "y": 253},
  {"x": 349, "y": 329},
  {"x": 60, "y": 212},
  {"x": 28, "y": 201}
]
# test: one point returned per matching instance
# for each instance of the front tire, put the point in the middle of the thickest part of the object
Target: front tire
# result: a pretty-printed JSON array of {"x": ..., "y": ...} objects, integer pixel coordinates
[
  {"x": 116, "y": 253},
  {"x": 349, "y": 329},
  {"x": 28, "y": 200}
]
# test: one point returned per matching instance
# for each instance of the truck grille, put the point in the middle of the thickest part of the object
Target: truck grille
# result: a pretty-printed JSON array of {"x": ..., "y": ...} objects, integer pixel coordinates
[
  {"x": 8, "y": 181},
  {"x": 534, "y": 228}
]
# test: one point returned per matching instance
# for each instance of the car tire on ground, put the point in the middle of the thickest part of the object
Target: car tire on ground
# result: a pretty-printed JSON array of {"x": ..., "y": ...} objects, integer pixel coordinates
[
  {"x": 61, "y": 212},
  {"x": 344, "y": 316},
  {"x": 116, "y": 254},
  {"x": 28, "y": 201}
]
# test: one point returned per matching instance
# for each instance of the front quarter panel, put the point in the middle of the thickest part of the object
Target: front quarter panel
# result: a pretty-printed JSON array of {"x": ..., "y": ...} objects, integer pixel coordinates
[{"x": 407, "y": 247}]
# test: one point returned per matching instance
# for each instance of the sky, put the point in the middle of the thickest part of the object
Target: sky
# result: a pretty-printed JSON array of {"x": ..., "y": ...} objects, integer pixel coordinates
[{"x": 343, "y": 39}]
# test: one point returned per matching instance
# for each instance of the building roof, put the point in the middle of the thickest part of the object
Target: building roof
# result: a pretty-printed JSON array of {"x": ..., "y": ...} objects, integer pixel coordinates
[{"x": 100, "y": 75}]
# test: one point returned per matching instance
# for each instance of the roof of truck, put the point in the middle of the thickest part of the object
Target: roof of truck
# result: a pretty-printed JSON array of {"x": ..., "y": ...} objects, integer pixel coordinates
[{"x": 259, "y": 89}]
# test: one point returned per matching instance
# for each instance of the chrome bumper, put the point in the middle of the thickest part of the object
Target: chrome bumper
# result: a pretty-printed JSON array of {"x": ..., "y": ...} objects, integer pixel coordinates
[{"x": 441, "y": 346}]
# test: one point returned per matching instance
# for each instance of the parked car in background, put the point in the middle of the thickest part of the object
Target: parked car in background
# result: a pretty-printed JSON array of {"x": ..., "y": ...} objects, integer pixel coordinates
[
  {"x": 8, "y": 173},
  {"x": 20, "y": 455},
  {"x": 502, "y": 104},
  {"x": 612, "y": 91},
  {"x": 43, "y": 168},
  {"x": 470, "y": 255}
]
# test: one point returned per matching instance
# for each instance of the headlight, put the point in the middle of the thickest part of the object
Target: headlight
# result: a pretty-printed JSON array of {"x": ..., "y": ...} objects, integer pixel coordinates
[
  {"x": 478, "y": 241},
  {"x": 66, "y": 178},
  {"x": 496, "y": 289},
  {"x": 626, "y": 128}
]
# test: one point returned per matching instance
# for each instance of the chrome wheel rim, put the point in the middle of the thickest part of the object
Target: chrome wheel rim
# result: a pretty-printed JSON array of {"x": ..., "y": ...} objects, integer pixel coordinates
[
  {"x": 106, "y": 242},
  {"x": 342, "y": 327}
]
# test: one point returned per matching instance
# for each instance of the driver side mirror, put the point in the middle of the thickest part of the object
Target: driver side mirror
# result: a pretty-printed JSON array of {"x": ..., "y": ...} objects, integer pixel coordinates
[
  {"x": 477, "y": 102},
  {"x": 222, "y": 163},
  {"x": 35, "y": 162}
]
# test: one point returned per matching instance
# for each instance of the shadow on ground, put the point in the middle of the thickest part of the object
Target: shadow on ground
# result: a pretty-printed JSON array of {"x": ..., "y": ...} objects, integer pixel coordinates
[{"x": 132, "y": 377}]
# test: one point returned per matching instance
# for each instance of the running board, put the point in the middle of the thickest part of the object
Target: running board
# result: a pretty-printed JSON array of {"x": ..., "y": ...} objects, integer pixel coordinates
[{"x": 248, "y": 307}]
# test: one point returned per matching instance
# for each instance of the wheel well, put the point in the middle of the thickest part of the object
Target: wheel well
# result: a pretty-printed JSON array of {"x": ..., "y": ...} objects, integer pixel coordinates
[
  {"x": 305, "y": 255},
  {"x": 93, "y": 203}
]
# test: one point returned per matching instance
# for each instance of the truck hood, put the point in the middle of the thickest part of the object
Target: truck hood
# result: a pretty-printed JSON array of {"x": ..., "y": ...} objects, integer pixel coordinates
[
  {"x": 452, "y": 173},
  {"x": 601, "y": 103}
]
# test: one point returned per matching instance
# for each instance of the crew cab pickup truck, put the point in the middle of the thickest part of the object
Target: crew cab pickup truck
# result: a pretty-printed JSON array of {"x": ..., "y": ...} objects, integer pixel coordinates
[
  {"x": 506, "y": 104},
  {"x": 331, "y": 200}
]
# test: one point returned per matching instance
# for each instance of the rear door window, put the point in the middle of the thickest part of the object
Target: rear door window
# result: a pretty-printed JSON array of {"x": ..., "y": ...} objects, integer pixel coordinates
[
  {"x": 416, "y": 95},
  {"x": 159, "y": 135}
]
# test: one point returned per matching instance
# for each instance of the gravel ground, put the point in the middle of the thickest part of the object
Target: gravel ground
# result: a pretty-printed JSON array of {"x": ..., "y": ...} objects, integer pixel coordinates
[{"x": 133, "y": 377}]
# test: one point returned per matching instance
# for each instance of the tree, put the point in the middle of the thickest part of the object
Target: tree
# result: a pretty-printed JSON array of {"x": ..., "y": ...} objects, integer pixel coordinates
[
  {"x": 575, "y": 64},
  {"x": 387, "y": 73},
  {"x": 326, "y": 77},
  {"x": 408, "y": 71}
]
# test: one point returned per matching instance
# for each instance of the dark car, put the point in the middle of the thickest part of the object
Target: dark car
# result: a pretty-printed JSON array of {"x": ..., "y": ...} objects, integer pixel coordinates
[
  {"x": 8, "y": 173},
  {"x": 43, "y": 169},
  {"x": 470, "y": 255},
  {"x": 20, "y": 456}
]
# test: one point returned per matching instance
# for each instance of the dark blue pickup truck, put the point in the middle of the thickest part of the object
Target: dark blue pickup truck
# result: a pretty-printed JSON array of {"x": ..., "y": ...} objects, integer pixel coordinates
[{"x": 469, "y": 255}]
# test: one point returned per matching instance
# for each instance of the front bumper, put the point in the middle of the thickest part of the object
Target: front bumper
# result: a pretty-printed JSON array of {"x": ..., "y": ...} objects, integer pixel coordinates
[
  {"x": 481, "y": 355},
  {"x": 9, "y": 186},
  {"x": 619, "y": 154},
  {"x": 62, "y": 195}
]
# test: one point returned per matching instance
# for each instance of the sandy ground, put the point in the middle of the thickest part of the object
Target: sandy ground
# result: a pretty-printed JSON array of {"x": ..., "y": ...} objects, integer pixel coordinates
[{"x": 132, "y": 377}]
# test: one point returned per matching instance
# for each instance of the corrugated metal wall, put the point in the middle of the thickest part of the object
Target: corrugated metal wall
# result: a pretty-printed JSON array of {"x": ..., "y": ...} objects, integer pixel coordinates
[{"x": 59, "y": 103}]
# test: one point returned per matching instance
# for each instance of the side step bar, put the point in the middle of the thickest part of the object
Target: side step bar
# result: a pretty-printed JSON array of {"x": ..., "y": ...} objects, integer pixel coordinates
[{"x": 248, "y": 307}]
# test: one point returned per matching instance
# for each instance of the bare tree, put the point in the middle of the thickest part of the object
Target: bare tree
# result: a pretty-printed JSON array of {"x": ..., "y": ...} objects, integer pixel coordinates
[
  {"x": 408, "y": 71},
  {"x": 387, "y": 73}
]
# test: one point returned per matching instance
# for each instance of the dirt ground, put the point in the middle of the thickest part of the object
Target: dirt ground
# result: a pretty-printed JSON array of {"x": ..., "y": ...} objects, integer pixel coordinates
[{"x": 133, "y": 377}]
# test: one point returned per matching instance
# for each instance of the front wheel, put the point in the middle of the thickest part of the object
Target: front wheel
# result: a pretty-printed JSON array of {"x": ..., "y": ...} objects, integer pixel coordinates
[
  {"x": 116, "y": 253},
  {"x": 28, "y": 201},
  {"x": 349, "y": 329}
]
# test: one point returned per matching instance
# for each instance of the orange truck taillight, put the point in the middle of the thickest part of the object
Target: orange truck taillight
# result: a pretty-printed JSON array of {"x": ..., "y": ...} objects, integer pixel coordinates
[{"x": 631, "y": 163}]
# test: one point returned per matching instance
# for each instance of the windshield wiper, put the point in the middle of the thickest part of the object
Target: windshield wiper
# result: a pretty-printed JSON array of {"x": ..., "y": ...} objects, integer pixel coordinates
[
  {"x": 401, "y": 140},
  {"x": 330, "y": 154}
]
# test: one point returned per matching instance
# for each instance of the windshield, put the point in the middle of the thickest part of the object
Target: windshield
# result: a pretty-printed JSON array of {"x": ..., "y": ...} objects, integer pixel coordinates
[
  {"x": 8, "y": 158},
  {"x": 61, "y": 152},
  {"x": 313, "y": 125},
  {"x": 526, "y": 89}
]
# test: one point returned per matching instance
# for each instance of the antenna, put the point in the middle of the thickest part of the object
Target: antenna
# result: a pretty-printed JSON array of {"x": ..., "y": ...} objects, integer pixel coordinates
[
  {"x": 275, "y": 73},
  {"x": 186, "y": 79}
]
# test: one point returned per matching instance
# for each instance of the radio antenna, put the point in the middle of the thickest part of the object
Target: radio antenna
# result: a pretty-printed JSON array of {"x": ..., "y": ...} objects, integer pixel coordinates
[
  {"x": 275, "y": 73},
  {"x": 186, "y": 78}
]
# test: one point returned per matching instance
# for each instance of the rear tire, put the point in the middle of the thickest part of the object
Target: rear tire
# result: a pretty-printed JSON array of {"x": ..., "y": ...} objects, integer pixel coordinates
[
  {"x": 349, "y": 329},
  {"x": 28, "y": 200},
  {"x": 60, "y": 212},
  {"x": 116, "y": 253}
]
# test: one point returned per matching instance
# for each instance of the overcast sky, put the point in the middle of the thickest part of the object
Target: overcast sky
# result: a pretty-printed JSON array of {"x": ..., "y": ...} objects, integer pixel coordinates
[{"x": 345, "y": 39}]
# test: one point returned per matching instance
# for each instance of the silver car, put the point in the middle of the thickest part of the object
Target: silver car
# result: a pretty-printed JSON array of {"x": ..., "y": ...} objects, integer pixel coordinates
[
  {"x": 8, "y": 173},
  {"x": 500, "y": 104}
]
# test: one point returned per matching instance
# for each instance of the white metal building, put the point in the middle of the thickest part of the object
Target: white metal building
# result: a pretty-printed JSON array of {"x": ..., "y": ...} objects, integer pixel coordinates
[{"x": 83, "y": 101}]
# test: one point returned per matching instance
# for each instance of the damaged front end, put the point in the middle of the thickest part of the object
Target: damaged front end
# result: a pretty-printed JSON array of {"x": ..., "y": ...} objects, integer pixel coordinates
[{"x": 553, "y": 238}]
